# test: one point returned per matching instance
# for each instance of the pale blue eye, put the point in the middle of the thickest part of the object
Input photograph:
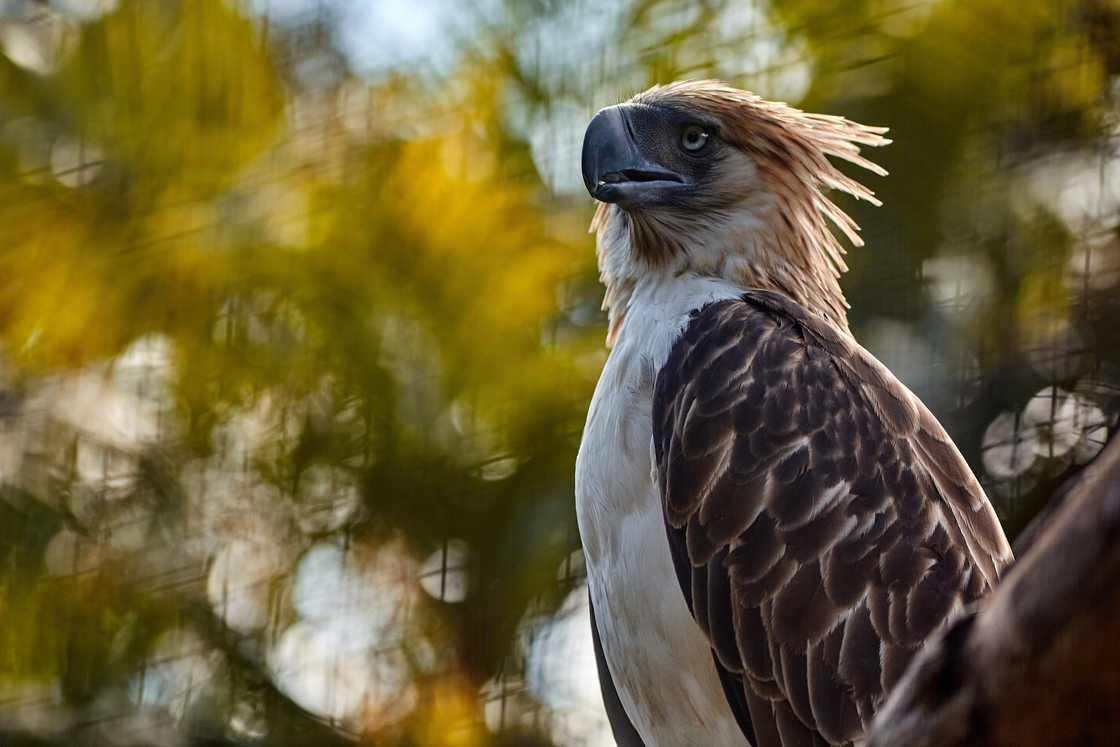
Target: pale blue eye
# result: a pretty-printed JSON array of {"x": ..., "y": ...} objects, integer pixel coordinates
[{"x": 694, "y": 138}]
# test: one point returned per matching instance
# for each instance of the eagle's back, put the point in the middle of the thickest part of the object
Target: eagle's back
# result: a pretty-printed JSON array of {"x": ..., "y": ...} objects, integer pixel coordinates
[{"x": 821, "y": 522}]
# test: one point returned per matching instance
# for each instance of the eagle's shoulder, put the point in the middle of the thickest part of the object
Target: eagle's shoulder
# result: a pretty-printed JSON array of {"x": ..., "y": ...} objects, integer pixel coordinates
[
  {"x": 822, "y": 522},
  {"x": 789, "y": 361}
]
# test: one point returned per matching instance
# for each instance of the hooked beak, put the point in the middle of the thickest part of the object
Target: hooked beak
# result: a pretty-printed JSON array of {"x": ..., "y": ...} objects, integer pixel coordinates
[{"x": 615, "y": 169}]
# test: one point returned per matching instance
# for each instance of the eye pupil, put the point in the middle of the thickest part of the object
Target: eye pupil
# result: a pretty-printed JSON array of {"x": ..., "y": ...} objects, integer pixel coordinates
[{"x": 694, "y": 138}]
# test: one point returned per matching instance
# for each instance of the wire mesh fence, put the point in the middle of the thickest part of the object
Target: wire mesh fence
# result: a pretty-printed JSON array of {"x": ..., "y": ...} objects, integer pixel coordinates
[{"x": 286, "y": 442}]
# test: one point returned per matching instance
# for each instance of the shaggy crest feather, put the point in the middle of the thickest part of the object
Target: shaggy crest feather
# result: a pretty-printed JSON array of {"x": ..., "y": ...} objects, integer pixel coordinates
[{"x": 790, "y": 247}]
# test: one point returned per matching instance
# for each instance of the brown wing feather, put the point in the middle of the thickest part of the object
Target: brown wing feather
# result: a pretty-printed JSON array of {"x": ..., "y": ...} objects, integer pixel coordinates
[{"x": 823, "y": 522}]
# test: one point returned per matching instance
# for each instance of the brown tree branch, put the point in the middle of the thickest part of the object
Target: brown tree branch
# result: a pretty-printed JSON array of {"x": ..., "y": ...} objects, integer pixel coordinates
[{"x": 1039, "y": 662}]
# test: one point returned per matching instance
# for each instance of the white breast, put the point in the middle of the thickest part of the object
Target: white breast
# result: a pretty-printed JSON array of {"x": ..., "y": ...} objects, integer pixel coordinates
[{"x": 658, "y": 657}]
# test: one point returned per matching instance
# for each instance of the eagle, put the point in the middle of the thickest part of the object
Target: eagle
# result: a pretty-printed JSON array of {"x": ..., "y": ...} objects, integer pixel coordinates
[{"x": 773, "y": 523}]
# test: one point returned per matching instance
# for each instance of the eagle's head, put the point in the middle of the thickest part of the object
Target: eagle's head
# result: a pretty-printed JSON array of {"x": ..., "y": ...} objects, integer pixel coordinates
[{"x": 700, "y": 177}]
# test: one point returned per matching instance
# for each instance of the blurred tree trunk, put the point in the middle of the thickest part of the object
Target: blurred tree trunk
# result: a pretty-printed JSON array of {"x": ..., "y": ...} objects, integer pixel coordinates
[{"x": 1039, "y": 663}]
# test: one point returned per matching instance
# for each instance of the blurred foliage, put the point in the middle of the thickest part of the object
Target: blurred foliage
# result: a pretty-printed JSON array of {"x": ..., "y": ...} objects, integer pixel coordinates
[{"x": 295, "y": 354}]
